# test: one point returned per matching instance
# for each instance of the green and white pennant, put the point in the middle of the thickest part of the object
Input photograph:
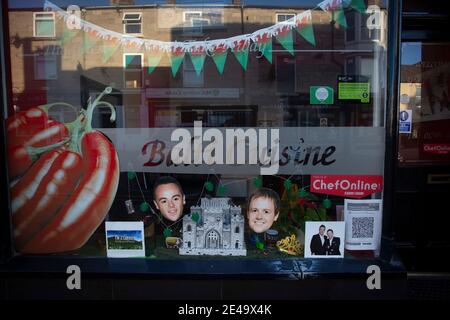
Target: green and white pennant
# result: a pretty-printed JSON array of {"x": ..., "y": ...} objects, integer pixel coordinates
[
  {"x": 305, "y": 27},
  {"x": 336, "y": 7},
  {"x": 176, "y": 57},
  {"x": 219, "y": 55},
  {"x": 154, "y": 58},
  {"x": 89, "y": 41},
  {"x": 284, "y": 37},
  {"x": 198, "y": 55},
  {"x": 264, "y": 43},
  {"x": 240, "y": 50},
  {"x": 109, "y": 48}
]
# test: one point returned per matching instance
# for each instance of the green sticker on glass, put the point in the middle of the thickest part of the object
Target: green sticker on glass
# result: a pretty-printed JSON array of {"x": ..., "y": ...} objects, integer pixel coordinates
[
  {"x": 321, "y": 95},
  {"x": 354, "y": 91}
]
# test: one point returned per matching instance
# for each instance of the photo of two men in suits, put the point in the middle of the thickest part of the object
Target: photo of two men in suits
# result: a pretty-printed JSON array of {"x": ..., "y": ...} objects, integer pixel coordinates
[{"x": 324, "y": 242}]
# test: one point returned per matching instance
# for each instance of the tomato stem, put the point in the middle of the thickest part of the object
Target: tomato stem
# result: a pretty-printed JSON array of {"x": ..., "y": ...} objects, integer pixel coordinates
[{"x": 98, "y": 103}]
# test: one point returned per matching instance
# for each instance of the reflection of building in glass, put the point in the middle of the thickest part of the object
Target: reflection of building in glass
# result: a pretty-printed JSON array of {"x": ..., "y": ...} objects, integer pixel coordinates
[
  {"x": 53, "y": 65},
  {"x": 219, "y": 229}
]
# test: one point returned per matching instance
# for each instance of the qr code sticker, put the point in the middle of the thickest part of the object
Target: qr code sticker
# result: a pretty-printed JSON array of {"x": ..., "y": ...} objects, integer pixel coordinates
[{"x": 362, "y": 227}]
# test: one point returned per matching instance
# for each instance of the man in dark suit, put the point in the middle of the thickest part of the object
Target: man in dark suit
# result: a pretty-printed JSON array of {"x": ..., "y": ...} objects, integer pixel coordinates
[
  {"x": 332, "y": 244},
  {"x": 317, "y": 244}
]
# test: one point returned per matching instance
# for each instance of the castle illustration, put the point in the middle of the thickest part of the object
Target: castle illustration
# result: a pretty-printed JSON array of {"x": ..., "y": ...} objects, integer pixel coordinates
[{"x": 216, "y": 227}]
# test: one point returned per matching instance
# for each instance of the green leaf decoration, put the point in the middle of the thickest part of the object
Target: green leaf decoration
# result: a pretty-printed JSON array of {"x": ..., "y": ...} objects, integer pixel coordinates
[
  {"x": 144, "y": 206},
  {"x": 221, "y": 191},
  {"x": 195, "y": 217},
  {"x": 209, "y": 186},
  {"x": 259, "y": 245},
  {"x": 302, "y": 193},
  {"x": 131, "y": 175},
  {"x": 287, "y": 184},
  {"x": 322, "y": 212},
  {"x": 257, "y": 182},
  {"x": 326, "y": 203},
  {"x": 311, "y": 215},
  {"x": 311, "y": 196},
  {"x": 167, "y": 232}
]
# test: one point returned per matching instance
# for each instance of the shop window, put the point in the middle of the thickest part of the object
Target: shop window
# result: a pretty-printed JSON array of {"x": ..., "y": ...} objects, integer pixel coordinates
[
  {"x": 45, "y": 67},
  {"x": 44, "y": 24},
  {"x": 132, "y": 23},
  {"x": 288, "y": 94},
  {"x": 132, "y": 70}
]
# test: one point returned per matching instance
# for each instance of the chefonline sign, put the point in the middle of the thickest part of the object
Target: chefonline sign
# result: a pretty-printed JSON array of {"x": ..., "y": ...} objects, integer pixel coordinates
[
  {"x": 245, "y": 151},
  {"x": 349, "y": 186}
]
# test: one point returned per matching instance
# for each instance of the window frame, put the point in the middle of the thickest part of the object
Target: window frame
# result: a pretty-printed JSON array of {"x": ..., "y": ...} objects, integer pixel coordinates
[
  {"x": 125, "y": 70},
  {"x": 124, "y": 22},
  {"x": 35, "y": 19},
  {"x": 278, "y": 14}
]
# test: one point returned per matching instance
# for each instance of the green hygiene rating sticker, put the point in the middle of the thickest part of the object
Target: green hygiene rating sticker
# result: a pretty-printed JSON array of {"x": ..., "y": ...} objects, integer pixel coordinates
[
  {"x": 321, "y": 95},
  {"x": 354, "y": 91}
]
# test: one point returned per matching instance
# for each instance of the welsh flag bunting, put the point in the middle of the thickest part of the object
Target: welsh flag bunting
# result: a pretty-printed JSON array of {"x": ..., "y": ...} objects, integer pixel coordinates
[
  {"x": 176, "y": 59},
  {"x": 305, "y": 27},
  {"x": 198, "y": 55},
  {"x": 67, "y": 35},
  {"x": 358, "y": 5},
  {"x": 264, "y": 42},
  {"x": 336, "y": 7},
  {"x": 284, "y": 37},
  {"x": 109, "y": 48},
  {"x": 154, "y": 58},
  {"x": 338, "y": 16},
  {"x": 240, "y": 45},
  {"x": 219, "y": 55},
  {"x": 89, "y": 42},
  {"x": 240, "y": 51}
]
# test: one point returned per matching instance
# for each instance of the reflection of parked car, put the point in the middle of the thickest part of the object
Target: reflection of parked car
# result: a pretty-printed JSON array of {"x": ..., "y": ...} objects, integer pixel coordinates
[{"x": 173, "y": 242}]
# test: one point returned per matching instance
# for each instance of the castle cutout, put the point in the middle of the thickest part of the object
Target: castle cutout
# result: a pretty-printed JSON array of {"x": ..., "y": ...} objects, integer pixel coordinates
[{"x": 219, "y": 229}]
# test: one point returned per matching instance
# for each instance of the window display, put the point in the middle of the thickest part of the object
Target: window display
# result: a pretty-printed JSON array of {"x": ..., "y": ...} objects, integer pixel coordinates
[{"x": 177, "y": 131}]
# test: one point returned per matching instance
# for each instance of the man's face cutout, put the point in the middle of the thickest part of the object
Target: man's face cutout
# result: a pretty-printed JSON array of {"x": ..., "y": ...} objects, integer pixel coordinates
[{"x": 169, "y": 200}]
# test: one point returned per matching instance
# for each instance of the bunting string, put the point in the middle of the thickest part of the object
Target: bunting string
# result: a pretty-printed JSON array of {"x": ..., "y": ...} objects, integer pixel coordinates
[{"x": 216, "y": 49}]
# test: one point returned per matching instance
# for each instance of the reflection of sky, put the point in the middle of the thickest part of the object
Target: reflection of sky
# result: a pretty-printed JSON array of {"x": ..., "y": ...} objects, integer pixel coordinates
[
  {"x": 136, "y": 234},
  {"x": 83, "y": 3},
  {"x": 411, "y": 53}
]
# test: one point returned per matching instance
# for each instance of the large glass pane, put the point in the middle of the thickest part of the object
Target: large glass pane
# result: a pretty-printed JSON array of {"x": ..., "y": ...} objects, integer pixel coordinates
[
  {"x": 220, "y": 129},
  {"x": 425, "y": 97}
]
